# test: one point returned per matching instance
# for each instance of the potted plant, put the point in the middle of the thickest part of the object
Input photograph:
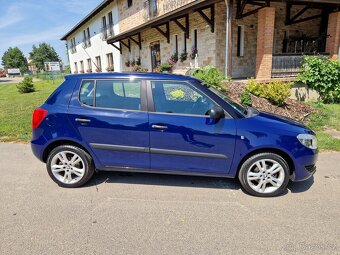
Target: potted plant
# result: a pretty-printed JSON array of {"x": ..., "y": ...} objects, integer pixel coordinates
[
  {"x": 165, "y": 68},
  {"x": 89, "y": 70},
  {"x": 173, "y": 59},
  {"x": 98, "y": 69},
  {"x": 133, "y": 63},
  {"x": 193, "y": 52},
  {"x": 138, "y": 62},
  {"x": 183, "y": 56},
  {"x": 127, "y": 63},
  {"x": 110, "y": 68},
  {"x": 81, "y": 71},
  {"x": 140, "y": 69}
]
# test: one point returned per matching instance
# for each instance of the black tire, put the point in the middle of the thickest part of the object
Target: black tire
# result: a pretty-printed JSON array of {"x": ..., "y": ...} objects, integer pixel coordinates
[
  {"x": 87, "y": 161},
  {"x": 242, "y": 175}
]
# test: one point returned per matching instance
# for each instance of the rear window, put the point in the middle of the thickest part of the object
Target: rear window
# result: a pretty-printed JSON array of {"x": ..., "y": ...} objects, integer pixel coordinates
[{"x": 111, "y": 94}]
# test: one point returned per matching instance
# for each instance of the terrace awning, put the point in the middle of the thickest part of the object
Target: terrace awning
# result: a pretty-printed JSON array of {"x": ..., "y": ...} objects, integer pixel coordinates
[{"x": 163, "y": 21}]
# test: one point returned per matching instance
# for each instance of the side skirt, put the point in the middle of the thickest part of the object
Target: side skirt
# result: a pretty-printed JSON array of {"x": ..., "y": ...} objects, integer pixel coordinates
[{"x": 156, "y": 171}]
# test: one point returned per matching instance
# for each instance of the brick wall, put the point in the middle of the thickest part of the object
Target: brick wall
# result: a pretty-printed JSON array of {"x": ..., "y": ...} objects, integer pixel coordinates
[
  {"x": 211, "y": 46},
  {"x": 246, "y": 66},
  {"x": 333, "y": 42},
  {"x": 133, "y": 16}
]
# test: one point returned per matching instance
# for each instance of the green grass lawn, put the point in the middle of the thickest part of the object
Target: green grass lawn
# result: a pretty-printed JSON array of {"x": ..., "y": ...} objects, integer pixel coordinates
[
  {"x": 327, "y": 117},
  {"x": 16, "y": 109}
]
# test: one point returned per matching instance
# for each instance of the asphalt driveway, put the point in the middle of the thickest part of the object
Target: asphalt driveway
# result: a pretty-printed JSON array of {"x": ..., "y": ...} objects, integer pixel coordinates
[{"x": 159, "y": 214}]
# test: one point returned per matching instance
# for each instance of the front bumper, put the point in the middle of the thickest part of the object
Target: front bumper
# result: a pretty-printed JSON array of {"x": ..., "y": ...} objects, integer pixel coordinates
[{"x": 305, "y": 167}]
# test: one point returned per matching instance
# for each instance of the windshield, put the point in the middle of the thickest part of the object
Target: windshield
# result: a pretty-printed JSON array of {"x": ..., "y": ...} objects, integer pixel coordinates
[{"x": 239, "y": 108}]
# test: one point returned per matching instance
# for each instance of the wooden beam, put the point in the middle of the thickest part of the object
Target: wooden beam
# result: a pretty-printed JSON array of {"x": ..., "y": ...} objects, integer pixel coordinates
[
  {"x": 211, "y": 20},
  {"x": 128, "y": 45},
  {"x": 306, "y": 19},
  {"x": 138, "y": 42},
  {"x": 118, "y": 48},
  {"x": 185, "y": 28},
  {"x": 165, "y": 33}
]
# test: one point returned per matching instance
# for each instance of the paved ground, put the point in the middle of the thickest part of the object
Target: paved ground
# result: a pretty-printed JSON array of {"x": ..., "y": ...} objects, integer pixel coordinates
[
  {"x": 6, "y": 80},
  {"x": 158, "y": 214}
]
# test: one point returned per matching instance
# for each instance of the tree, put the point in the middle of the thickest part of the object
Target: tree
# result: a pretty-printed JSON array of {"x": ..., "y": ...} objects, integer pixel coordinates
[
  {"x": 14, "y": 58},
  {"x": 43, "y": 53}
]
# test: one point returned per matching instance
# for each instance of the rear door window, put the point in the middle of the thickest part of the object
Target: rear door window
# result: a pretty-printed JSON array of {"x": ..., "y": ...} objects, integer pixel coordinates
[{"x": 112, "y": 94}]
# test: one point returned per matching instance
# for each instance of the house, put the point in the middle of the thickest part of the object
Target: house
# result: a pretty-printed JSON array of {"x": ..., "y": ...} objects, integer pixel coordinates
[
  {"x": 243, "y": 38},
  {"x": 86, "y": 43}
]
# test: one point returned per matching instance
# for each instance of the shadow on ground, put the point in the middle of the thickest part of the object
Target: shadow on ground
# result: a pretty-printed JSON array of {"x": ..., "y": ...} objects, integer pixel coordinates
[{"x": 164, "y": 180}]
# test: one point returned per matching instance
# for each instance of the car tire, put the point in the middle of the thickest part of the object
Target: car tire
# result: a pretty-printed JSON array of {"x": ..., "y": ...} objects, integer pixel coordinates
[
  {"x": 70, "y": 166},
  {"x": 264, "y": 175}
]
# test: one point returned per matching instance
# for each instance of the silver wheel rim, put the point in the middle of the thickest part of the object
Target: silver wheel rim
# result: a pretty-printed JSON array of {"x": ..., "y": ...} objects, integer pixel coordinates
[
  {"x": 67, "y": 167},
  {"x": 265, "y": 176}
]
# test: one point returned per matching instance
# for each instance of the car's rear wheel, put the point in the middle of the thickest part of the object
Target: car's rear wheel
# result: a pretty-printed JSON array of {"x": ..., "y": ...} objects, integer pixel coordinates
[
  {"x": 264, "y": 175},
  {"x": 70, "y": 166}
]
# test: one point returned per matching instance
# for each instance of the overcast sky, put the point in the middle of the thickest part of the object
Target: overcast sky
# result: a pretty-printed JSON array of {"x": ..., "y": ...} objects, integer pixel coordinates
[{"x": 27, "y": 22}]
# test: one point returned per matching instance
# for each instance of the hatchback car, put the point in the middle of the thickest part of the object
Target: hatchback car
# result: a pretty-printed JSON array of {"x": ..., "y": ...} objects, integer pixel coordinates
[{"x": 169, "y": 124}]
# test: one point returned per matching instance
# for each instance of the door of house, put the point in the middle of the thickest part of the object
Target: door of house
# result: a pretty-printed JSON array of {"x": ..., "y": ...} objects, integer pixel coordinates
[{"x": 155, "y": 55}]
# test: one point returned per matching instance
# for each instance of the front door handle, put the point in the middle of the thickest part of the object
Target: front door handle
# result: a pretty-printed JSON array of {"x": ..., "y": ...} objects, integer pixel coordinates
[
  {"x": 159, "y": 127},
  {"x": 82, "y": 120}
]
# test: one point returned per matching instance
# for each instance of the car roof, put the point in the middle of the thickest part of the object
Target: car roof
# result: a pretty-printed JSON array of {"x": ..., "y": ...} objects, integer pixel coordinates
[{"x": 129, "y": 75}]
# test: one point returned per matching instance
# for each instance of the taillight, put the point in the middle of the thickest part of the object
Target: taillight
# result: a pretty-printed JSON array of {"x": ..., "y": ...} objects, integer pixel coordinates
[{"x": 38, "y": 116}]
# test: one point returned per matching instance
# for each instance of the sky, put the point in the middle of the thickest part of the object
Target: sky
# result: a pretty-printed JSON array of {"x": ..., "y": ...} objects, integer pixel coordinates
[{"x": 27, "y": 22}]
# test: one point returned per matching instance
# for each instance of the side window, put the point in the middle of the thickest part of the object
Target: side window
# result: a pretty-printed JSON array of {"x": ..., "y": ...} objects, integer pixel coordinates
[
  {"x": 118, "y": 94},
  {"x": 86, "y": 94},
  {"x": 180, "y": 98}
]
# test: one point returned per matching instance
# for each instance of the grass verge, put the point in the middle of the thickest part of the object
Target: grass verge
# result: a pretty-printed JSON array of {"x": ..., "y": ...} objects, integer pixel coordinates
[
  {"x": 326, "y": 118},
  {"x": 16, "y": 109}
]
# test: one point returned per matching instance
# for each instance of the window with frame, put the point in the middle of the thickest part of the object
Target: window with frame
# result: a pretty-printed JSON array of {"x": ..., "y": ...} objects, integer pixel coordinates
[
  {"x": 110, "y": 17},
  {"x": 179, "y": 98},
  {"x": 111, "y": 94},
  {"x": 75, "y": 67},
  {"x": 81, "y": 66},
  {"x": 99, "y": 64},
  {"x": 129, "y": 3},
  {"x": 240, "y": 41},
  {"x": 86, "y": 94},
  {"x": 89, "y": 65}
]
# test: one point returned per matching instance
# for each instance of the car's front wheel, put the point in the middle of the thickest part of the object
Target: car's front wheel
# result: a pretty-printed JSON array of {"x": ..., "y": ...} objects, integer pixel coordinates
[
  {"x": 264, "y": 175},
  {"x": 70, "y": 166}
]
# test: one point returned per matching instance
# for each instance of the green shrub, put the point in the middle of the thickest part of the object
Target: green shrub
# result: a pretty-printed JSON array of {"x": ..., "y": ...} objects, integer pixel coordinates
[
  {"x": 254, "y": 87},
  {"x": 323, "y": 75},
  {"x": 210, "y": 75},
  {"x": 246, "y": 98},
  {"x": 26, "y": 86},
  {"x": 277, "y": 92},
  {"x": 140, "y": 69},
  {"x": 165, "y": 67}
]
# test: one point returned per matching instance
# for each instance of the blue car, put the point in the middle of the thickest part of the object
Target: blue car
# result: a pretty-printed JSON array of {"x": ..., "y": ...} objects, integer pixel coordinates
[{"x": 171, "y": 124}]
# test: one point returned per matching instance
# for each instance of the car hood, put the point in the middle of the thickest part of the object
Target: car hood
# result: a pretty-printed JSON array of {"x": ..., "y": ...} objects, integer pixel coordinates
[{"x": 280, "y": 122}]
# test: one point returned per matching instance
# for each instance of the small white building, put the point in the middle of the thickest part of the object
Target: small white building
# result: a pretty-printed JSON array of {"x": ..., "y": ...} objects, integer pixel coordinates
[{"x": 87, "y": 48}]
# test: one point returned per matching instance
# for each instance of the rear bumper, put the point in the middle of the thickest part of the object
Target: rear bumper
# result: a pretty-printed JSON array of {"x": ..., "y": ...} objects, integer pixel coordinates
[
  {"x": 305, "y": 167},
  {"x": 38, "y": 147}
]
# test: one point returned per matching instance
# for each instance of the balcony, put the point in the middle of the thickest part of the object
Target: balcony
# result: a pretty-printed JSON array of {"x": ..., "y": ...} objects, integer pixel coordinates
[
  {"x": 106, "y": 32},
  {"x": 150, "y": 9},
  {"x": 86, "y": 42}
]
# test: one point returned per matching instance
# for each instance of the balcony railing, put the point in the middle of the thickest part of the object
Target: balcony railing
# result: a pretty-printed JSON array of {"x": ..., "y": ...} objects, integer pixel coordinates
[
  {"x": 73, "y": 49},
  {"x": 86, "y": 42},
  {"x": 107, "y": 32},
  {"x": 150, "y": 9},
  {"x": 289, "y": 64}
]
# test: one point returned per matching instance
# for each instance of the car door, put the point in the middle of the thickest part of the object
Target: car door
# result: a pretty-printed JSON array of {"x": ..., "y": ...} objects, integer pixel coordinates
[
  {"x": 182, "y": 136},
  {"x": 110, "y": 116}
]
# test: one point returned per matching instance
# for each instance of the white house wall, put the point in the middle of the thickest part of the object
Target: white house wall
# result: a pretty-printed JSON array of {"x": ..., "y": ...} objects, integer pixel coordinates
[{"x": 98, "y": 46}]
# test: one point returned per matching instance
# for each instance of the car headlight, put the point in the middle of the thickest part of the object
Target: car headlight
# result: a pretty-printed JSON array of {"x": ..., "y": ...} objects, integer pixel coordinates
[{"x": 308, "y": 140}]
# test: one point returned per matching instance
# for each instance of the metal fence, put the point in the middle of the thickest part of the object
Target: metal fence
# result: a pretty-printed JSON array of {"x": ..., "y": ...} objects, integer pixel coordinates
[
  {"x": 49, "y": 76},
  {"x": 288, "y": 64}
]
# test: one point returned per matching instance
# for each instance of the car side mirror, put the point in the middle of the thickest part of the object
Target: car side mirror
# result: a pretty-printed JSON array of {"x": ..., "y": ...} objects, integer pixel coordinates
[{"x": 216, "y": 112}]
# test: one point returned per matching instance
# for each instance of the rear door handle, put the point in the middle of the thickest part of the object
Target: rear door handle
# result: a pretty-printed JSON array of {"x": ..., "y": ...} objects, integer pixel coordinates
[
  {"x": 159, "y": 127},
  {"x": 82, "y": 120}
]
